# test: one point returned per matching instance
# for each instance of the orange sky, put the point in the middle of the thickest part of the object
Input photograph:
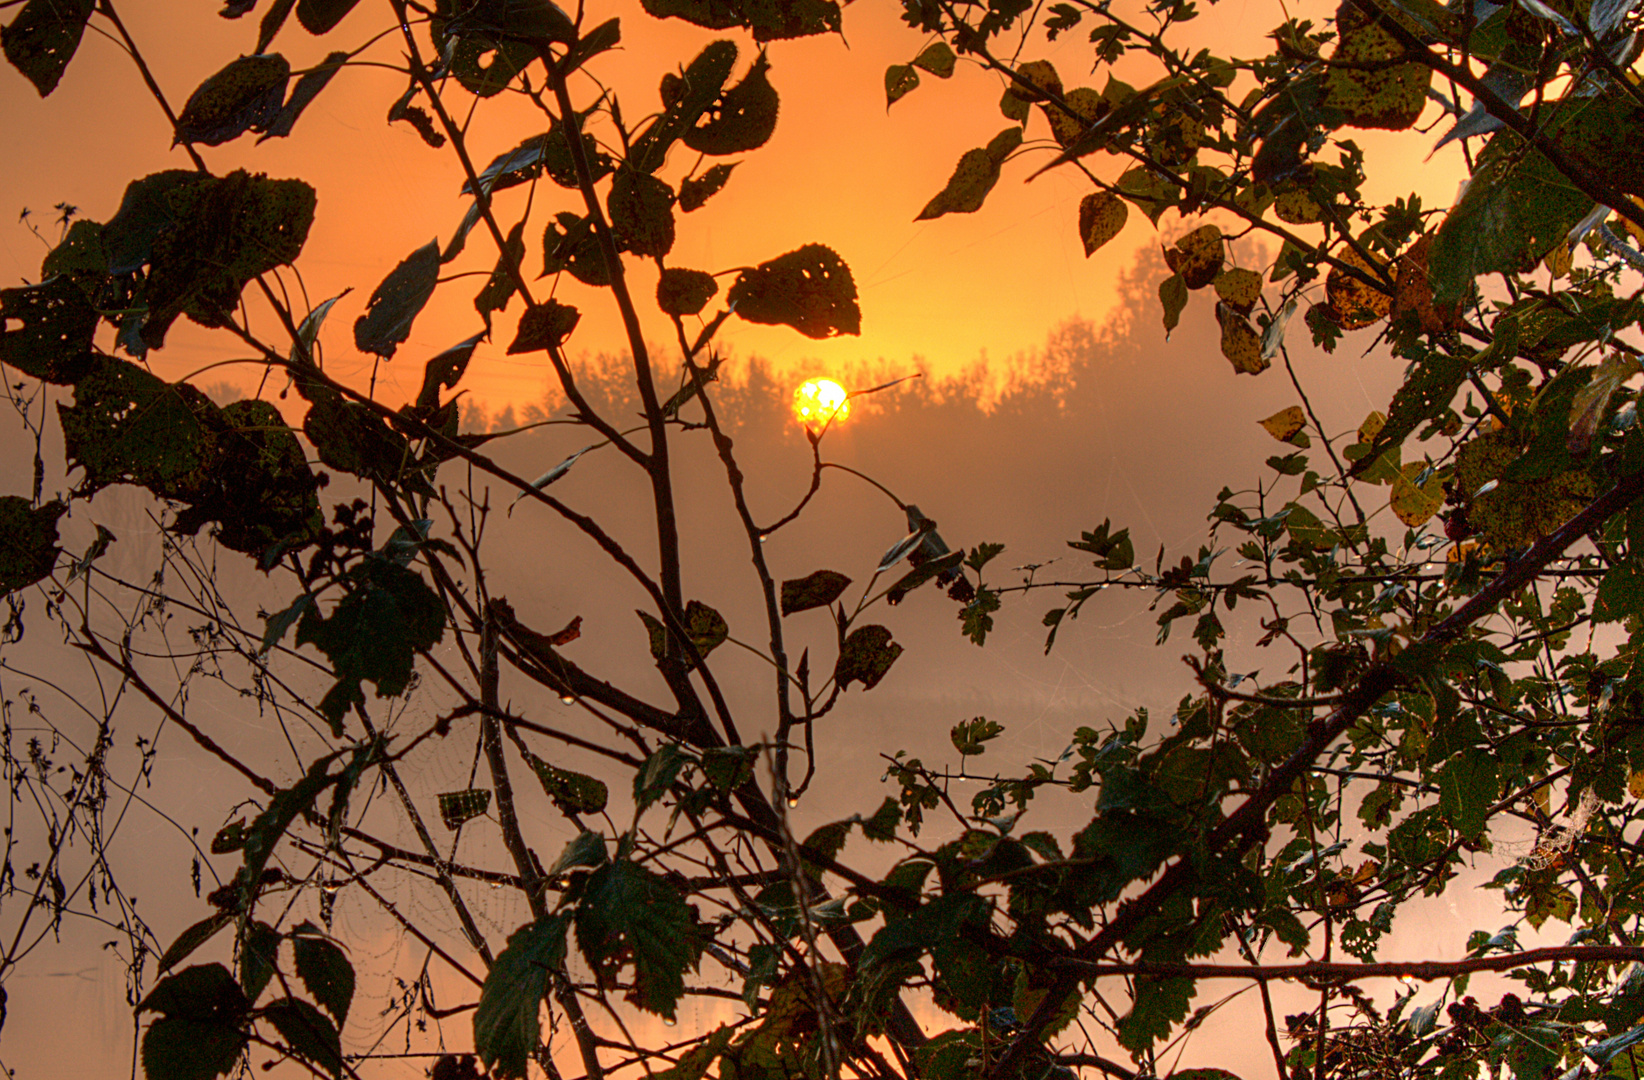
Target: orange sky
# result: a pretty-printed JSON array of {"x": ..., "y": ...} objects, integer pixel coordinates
[{"x": 936, "y": 296}]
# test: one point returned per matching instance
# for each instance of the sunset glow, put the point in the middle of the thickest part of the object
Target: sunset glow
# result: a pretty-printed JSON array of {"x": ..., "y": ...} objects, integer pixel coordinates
[{"x": 819, "y": 400}]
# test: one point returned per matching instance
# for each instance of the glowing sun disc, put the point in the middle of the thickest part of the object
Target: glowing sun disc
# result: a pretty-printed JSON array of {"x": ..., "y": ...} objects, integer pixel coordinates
[{"x": 819, "y": 400}]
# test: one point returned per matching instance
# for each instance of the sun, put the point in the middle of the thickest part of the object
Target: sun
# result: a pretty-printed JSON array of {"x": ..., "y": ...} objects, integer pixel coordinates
[{"x": 818, "y": 401}]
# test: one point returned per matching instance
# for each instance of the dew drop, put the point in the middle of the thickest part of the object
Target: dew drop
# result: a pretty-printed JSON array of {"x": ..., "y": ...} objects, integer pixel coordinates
[
  {"x": 668, "y": 1021},
  {"x": 793, "y": 800},
  {"x": 567, "y": 699}
]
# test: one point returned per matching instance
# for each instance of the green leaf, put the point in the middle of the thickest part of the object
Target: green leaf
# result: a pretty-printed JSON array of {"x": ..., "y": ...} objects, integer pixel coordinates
[
  {"x": 729, "y": 767},
  {"x": 948, "y": 564},
  {"x": 307, "y": 89},
  {"x": 259, "y": 958},
  {"x": 272, "y": 22},
  {"x": 694, "y": 1063},
  {"x": 276, "y": 625},
  {"x": 974, "y": 176},
  {"x": 813, "y": 591},
  {"x": 790, "y": 19},
  {"x": 809, "y": 289},
  {"x": 457, "y": 807},
  {"x": 936, "y": 58},
  {"x": 544, "y": 327},
  {"x": 661, "y": 770},
  {"x": 192, "y": 938},
  {"x": 226, "y": 231},
  {"x": 126, "y": 426},
  {"x": 569, "y": 243},
  {"x": 388, "y": 615},
  {"x": 685, "y": 97},
  {"x": 308, "y": 1032},
  {"x": 506, "y": 60},
  {"x": 28, "y": 541},
  {"x": 501, "y": 285},
  {"x": 1150, "y": 194},
  {"x": 1173, "y": 298},
  {"x": 684, "y": 292},
  {"x": 325, "y": 971},
  {"x": 446, "y": 370},
  {"x": 572, "y": 792},
  {"x": 628, "y": 913},
  {"x": 971, "y": 736},
  {"x": 642, "y": 216},
  {"x": 1468, "y": 786},
  {"x": 697, "y": 190},
  {"x": 149, "y": 207},
  {"x": 396, "y": 302},
  {"x": 743, "y": 118},
  {"x": 246, "y": 95},
  {"x": 865, "y": 657},
  {"x": 900, "y": 81},
  {"x": 199, "y": 1035},
  {"x": 322, "y": 16},
  {"x": 1159, "y": 1005},
  {"x": 1620, "y": 594},
  {"x": 42, "y": 39},
  {"x": 52, "y": 325}
]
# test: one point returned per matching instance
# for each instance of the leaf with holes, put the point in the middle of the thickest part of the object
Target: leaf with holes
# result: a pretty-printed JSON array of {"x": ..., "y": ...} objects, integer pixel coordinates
[
  {"x": 865, "y": 657},
  {"x": 642, "y": 213},
  {"x": 396, "y": 302},
  {"x": 813, "y": 591},
  {"x": 809, "y": 289},
  {"x": 741, "y": 119},
  {"x": 43, "y": 38},
  {"x": 627, "y": 914},
  {"x": 457, "y": 807},
  {"x": 697, "y": 190},
  {"x": 544, "y": 327},
  {"x": 247, "y": 95}
]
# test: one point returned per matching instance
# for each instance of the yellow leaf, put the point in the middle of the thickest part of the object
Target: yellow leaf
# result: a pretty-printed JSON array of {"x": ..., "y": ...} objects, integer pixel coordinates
[
  {"x": 1286, "y": 425},
  {"x": 1415, "y": 505},
  {"x": 1101, "y": 217},
  {"x": 1039, "y": 74},
  {"x": 1240, "y": 343},
  {"x": 1375, "y": 93},
  {"x": 1558, "y": 260},
  {"x": 1635, "y": 785},
  {"x": 1356, "y": 303},
  {"x": 1240, "y": 288},
  {"x": 1297, "y": 207},
  {"x": 1372, "y": 427},
  {"x": 1197, "y": 257},
  {"x": 1088, "y": 106}
]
